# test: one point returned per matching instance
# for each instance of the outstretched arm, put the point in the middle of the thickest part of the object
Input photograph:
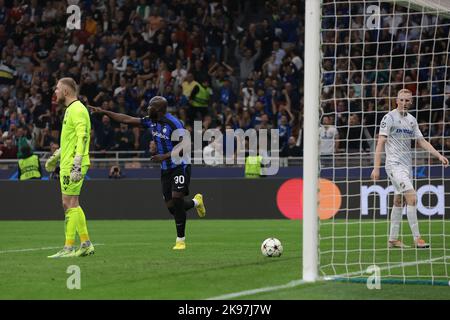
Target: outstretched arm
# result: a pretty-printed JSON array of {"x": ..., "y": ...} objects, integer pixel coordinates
[
  {"x": 424, "y": 144},
  {"x": 119, "y": 117}
]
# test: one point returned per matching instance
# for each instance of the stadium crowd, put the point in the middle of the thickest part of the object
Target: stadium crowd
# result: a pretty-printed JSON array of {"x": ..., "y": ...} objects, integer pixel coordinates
[
  {"x": 230, "y": 64},
  {"x": 364, "y": 67}
]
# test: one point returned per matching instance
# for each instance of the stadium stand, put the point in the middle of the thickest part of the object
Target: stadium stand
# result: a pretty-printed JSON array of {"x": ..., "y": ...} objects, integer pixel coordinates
[{"x": 231, "y": 64}]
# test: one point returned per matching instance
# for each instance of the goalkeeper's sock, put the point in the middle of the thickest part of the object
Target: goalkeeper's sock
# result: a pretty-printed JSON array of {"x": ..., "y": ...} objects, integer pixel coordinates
[
  {"x": 180, "y": 216},
  {"x": 70, "y": 226},
  {"x": 82, "y": 226},
  {"x": 396, "y": 218},
  {"x": 412, "y": 219}
]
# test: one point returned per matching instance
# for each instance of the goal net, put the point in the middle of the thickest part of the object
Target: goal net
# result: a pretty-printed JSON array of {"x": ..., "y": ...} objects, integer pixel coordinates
[{"x": 369, "y": 51}]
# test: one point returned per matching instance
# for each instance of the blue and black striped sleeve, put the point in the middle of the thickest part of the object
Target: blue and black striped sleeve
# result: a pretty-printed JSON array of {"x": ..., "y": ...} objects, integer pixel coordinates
[{"x": 146, "y": 122}]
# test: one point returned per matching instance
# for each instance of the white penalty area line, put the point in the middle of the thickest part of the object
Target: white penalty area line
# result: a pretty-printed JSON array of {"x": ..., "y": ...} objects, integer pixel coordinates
[
  {"x": 296, "y": 283},
  {"x": 38, "y": 249}
]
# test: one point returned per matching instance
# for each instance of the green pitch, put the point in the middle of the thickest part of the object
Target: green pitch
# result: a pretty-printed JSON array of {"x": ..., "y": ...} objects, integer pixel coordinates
[{"x": 135, "y": 260}]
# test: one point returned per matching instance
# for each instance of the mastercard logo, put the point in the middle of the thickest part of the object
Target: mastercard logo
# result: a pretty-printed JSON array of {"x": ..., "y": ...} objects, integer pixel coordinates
[{"x": 290, "y": 199}]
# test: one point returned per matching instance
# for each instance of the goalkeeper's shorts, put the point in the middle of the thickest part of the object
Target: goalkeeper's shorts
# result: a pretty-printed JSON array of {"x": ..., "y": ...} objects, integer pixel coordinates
[{"x": 69, "y": 187}]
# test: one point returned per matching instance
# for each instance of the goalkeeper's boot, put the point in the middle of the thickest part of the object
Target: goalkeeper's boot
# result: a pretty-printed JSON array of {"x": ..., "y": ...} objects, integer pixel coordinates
[
  {"x": 66, "y": 252},
  {"x": 179, "y": 245},
  {"x": 86, "y": 249},
  {"x": 201, "y": 210},
  {"x": 397, "y": 244},
  {"x": 421, "y": 244}
]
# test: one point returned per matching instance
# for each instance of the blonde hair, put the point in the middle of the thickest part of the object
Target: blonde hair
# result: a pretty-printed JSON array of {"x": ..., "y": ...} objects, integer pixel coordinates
[
  {"x": 69, "y": 82},
  {"x": 404, "y": 91}
]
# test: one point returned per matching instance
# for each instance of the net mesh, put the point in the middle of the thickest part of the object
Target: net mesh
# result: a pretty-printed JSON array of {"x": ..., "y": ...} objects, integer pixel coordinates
[{"x": 370, "y": 50}]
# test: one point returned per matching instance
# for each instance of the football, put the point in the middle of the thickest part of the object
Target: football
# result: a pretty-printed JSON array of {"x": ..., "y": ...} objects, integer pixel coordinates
[{"x": 271, "y": 247}]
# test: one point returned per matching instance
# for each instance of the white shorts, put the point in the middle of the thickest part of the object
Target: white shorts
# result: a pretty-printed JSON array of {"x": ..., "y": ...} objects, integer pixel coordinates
[{"x": 401, "y": 179}]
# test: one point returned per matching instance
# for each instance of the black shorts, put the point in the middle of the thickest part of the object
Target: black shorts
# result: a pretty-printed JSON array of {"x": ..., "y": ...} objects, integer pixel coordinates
[{"x": 176, "y": 179}]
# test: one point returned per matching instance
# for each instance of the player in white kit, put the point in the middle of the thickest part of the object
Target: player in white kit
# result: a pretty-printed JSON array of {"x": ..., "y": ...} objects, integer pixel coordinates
[{"x": 397, "y": 129}]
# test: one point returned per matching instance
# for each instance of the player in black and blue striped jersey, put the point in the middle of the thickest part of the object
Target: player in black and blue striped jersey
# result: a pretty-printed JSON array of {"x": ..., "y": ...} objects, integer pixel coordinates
[{"x": 175, "y": 175}]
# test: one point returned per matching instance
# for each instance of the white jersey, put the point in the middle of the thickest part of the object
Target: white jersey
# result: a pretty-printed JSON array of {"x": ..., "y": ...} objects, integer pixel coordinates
[
  {"x": 400, "y": 131},
  {"x": 327, "y": 139}
]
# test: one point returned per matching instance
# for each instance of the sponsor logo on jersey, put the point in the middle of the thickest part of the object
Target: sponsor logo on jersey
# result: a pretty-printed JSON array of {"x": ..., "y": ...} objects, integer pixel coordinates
[
  {"x": 407, "y": 131},
  {"x": 160, "y": 135}
]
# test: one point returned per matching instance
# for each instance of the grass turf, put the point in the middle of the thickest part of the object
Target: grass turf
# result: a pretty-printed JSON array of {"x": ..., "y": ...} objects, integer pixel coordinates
[{"x": 135, "y": 260}]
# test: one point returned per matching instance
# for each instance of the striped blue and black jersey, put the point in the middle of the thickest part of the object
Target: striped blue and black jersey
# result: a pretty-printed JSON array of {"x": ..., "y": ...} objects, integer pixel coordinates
[{"x": 161, "y": 132}]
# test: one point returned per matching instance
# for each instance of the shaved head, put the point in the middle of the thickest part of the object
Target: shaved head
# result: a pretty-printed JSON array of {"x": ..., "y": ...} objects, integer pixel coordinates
[
  {"x": 157, "y": 107},
  {"x": 66, "y": 88},
  {"x": 70, "y": 84}
]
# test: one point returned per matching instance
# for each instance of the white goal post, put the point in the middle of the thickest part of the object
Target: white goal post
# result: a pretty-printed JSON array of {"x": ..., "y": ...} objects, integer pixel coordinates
[{"x": 343, "y": 244}]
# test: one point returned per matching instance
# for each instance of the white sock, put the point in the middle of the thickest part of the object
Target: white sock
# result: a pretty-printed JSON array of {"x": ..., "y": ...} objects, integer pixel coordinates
[
  {"x": 396, "y": 219},
  {"x": 195, "y": 203},
  {"x": 181, "y": 239},
  {"x": 412, "y": 219}
]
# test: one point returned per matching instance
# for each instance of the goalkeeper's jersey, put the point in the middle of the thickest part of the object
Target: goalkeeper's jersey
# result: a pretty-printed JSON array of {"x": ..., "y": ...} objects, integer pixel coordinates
[
  {"x": 75, "y": 135},
  {"x": 400, "y": 131}
]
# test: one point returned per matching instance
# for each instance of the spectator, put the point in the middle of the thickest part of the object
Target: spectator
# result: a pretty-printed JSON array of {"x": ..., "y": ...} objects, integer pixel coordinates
[
  {"x": 124, "y": 139},
  {"x": 115, "y": 173},
  {"x": 200, "y": 100},
  {"x": 213, "y": 152},
  {"x": 285, "y": 130},
  {"x": 104, "y": 137},
  {"x": 158, "y": 42},
  {"x": 45, "y": 140},
  {"x": 247, "y": 61},
  {"x": 8, "y": 150},
  {"x": 29, "y": 166},
  {"x": 179, "y": 74},
  {"x": 329, "y": 137},
  {"x": 355, "y": 138},
  {"x": 227, "y": 97},
  {"x": 291, "y": 149},
  {"x": 23, "y": 138},
  {"x": 188, "y": 84},
  {"x": 120, "y": 61},
  {"x": 248, "y": 93},
  {"x": 279, "y": 52}
]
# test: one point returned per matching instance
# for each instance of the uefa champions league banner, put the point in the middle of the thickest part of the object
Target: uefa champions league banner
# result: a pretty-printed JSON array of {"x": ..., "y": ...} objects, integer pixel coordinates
[
  {"x": 225, "y": 198},
  {"x": 155, "y": 173},
  {"x": 365, "y": 199}
]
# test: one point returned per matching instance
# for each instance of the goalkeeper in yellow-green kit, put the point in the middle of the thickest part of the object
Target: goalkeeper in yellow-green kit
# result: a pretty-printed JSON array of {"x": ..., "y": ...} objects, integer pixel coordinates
[{"x": 73, "y": 156}]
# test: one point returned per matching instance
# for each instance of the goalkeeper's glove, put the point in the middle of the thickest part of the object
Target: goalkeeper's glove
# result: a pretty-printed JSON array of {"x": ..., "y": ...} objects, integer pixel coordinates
[
  {"x": 75, "y": 173},
  {"x": 50, "y": 164}
]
